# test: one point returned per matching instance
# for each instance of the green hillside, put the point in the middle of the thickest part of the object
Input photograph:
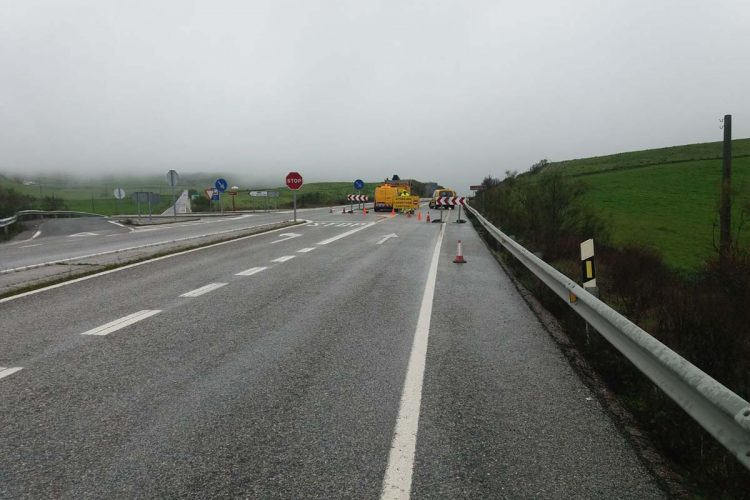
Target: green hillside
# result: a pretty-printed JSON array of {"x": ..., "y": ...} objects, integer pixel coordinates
[
  {"x": 667, "y": 198},
  {"x": 673, "y": 155}
]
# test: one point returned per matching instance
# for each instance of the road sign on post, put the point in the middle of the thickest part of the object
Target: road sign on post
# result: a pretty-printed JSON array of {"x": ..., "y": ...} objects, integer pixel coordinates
[
  {"x": 294, "y": 182},
  {"x": 119, "y": 194},
  {"x": 221, "y": 185},
  {"x": 359, "y": 184}
]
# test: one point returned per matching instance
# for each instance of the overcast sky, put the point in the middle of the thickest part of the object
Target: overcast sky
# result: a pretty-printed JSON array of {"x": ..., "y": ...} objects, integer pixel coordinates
[{"x": 449, "y": 91}]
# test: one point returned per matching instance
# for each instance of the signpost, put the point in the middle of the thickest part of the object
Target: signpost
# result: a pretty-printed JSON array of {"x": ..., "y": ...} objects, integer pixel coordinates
[
  {"x": 358, "y": 185},
  {"x": 119, "y": 194},
  {"x": 294, "y": 182},
  {"x": 221, "y": 186},
  {"x": 233, "y": 192},
  {"x": 145, "y": 197},
  {"x": 266, "y": 195},
  {"x": 172, "y": 179}
]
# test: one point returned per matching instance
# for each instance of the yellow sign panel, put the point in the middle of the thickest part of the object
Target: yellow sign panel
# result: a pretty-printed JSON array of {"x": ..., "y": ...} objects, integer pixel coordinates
[{"x": 405, "y": 202}]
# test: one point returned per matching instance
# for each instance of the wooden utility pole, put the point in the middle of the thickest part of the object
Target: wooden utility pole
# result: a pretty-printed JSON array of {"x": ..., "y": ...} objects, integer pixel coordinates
[{"x": 725, "y": 212}]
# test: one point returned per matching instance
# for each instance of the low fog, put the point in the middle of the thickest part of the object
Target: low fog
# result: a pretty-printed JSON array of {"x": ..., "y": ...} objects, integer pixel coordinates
[{"x": 449, "y": 91}]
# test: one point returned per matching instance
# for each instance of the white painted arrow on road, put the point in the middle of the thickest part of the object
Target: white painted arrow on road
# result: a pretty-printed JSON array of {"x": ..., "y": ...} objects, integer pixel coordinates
[
  {"x": 387, "y": 237},
  {"x": 286, "y": 237}
]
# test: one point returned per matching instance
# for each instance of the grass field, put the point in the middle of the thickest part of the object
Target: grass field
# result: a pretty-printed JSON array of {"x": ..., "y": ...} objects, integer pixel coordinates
[
  {"x": 97, "y": 196},
  {"x": 651, "y": 157},
  {"x": 663, "y": 199}
]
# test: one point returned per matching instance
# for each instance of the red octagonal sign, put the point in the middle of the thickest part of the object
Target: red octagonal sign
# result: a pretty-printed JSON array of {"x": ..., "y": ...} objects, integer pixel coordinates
[{"x": 294, "y": 180}]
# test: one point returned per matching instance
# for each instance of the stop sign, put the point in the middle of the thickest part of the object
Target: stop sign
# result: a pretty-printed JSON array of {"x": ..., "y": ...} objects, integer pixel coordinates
[{"x": 294, "y": 180}]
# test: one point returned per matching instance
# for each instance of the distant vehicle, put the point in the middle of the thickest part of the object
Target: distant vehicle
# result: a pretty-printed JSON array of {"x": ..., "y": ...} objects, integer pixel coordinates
[
  {"x": 386, "y": 193},
  {"x": 441, "y": 193}
]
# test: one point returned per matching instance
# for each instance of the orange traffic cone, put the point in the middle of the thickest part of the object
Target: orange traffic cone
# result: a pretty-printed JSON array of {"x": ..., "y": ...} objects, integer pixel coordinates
[
  {"x": 419, "y": 215},
  {"x": 393, "y": 211},
  {"x": 428, "y": 217},
  {"x": 459, "y": 255},
  {"x": 364, "y": 211}
]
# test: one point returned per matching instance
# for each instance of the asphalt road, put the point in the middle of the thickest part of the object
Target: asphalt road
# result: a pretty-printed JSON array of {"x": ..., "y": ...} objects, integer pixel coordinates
[
  {"x": 321, "y": 361},
  {"x": 70, "y": 238}
]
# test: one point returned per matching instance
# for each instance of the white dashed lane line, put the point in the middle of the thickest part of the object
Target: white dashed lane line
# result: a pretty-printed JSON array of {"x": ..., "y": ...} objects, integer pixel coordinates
[
  {"x": 204, "y": 289},
  {"x": 284, "y": 258},
  {"x": 118, "y": 324},
  {"x": 251, "y": 271},
  {"x": 305, "y": 250},
  {"x": 4, "y": 372}
]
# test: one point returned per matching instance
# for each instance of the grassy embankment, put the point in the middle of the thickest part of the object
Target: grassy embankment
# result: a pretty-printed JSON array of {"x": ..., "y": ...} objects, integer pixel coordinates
[{"x": 666, "y": 198}]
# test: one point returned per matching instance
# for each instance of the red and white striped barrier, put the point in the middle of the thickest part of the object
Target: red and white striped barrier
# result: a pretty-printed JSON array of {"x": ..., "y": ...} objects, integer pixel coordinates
[
  {"x": 356, "y": 197},
  {"x": 451, "y": 201}
]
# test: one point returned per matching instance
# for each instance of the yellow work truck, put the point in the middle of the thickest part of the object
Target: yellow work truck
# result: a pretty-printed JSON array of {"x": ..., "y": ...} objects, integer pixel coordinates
[{"x": 387, "y": 193}]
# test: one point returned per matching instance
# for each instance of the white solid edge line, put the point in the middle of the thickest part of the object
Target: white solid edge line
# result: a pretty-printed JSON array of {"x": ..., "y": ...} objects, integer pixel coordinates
[
  {"x": 348, "y": 233},
  {"x": 129, "y": 266},
  {"x": 121, "y": 323},
  {"x": 118, "y": 224},
  {"x": 398, "y": 474},
  {"x": 204, "y": 289},
  {"x": 251, "y": 271},
  {"x": 284, "y": 258},
  {"x": 4, "y": 372}
]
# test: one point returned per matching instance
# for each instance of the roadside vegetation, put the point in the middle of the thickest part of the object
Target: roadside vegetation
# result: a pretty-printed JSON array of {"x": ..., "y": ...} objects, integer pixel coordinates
[
  {"x": 96, "y": 196},
  {"x": 673, "y": 287}
]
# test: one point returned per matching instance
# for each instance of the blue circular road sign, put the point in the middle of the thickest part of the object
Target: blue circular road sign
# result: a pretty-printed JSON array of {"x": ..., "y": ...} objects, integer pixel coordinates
[
  {"x": 359, "y": 184},
  {"x": 221, "y": 185}
]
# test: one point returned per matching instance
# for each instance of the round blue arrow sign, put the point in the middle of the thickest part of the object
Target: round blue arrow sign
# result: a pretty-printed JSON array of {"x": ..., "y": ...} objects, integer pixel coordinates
[
  {"x": 359, "y": 184},
  {"x": 221, "y": 185}
]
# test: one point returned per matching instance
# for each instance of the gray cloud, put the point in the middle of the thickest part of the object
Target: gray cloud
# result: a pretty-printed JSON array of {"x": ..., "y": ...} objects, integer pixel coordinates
[{"x": 435, "y": 90}]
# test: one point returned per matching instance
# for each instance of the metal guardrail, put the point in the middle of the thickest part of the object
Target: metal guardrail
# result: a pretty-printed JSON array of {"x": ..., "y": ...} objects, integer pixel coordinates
[
  {"x": 724, "y": 414},
  {"x": 7, "y": 222},
  {"x": 41, "y": 213}
]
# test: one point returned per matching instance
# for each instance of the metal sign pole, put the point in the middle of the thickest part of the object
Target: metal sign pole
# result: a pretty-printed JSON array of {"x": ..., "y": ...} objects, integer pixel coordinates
[{"x": 294, "y": 197}]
